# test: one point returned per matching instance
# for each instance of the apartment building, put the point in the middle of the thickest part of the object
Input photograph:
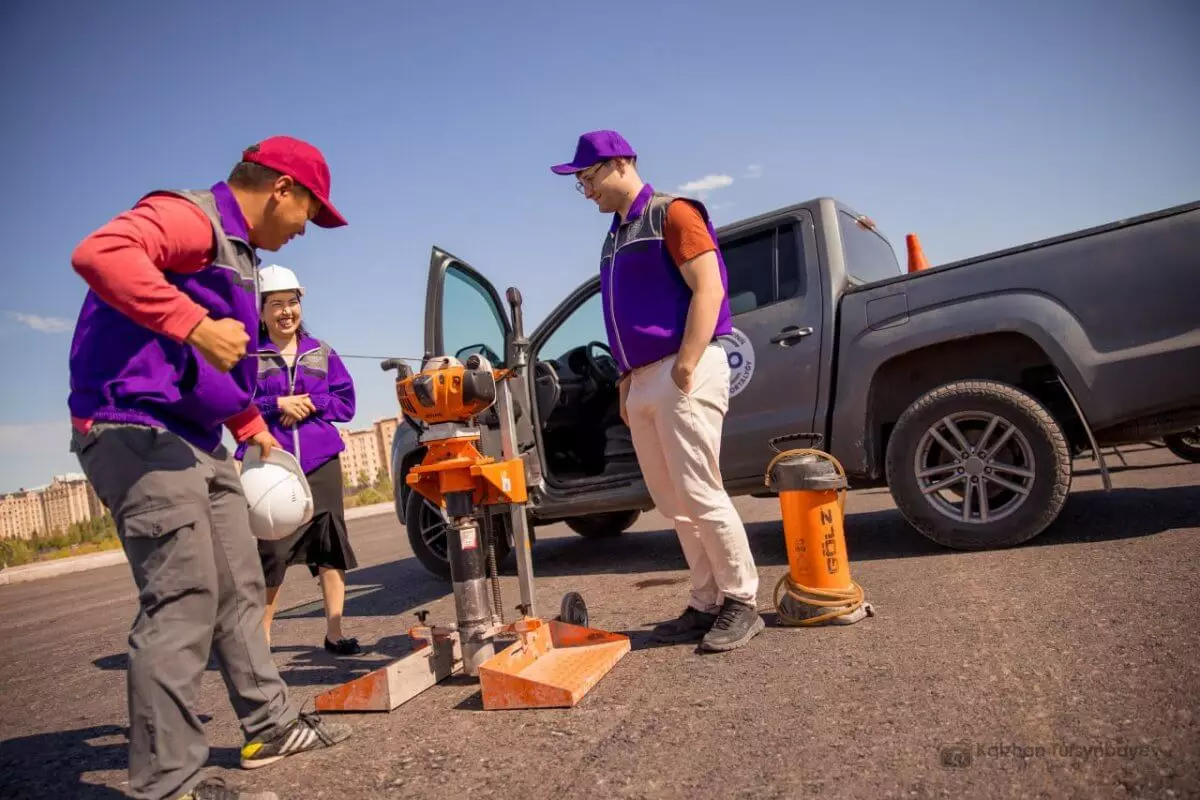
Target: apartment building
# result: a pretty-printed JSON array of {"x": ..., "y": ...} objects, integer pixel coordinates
[
  {"x": 385, "y": 431},
  {"x": 369, "y": 450},
  {"x": 69, "y": 499},
  {"x": 22, "y": 515}
]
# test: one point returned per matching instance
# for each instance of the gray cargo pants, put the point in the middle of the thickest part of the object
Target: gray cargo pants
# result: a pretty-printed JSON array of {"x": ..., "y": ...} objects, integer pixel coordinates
[{"x": 183, "y": 522}]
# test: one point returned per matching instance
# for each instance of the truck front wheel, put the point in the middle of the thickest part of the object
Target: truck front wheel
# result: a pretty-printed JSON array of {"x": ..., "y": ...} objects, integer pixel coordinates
[
  {"x": 426, "y": 529},
  {"x": 975, "y": 465}
]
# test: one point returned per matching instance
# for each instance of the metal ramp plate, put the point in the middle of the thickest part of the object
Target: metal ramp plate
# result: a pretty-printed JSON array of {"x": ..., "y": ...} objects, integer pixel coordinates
[
  {"x": 386, "y": 688},
  {"x": 553, "y": 666}
]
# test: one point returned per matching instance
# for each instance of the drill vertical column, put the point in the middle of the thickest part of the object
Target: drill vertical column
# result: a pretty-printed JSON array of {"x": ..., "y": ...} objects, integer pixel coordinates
[
  {"x": 516, "y": 511},
  {"x": 472, "y": 601}
]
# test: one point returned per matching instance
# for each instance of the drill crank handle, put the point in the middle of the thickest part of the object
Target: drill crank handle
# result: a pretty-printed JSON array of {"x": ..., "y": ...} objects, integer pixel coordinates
[
  {"x": 518, "y": 318},
  {"x": 519, "y": 344},
  {"x": 403, "y": 370}
]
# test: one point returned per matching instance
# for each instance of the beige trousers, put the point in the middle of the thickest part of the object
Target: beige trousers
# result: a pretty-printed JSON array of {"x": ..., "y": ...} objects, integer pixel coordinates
[{"x": 677, "y": 438}]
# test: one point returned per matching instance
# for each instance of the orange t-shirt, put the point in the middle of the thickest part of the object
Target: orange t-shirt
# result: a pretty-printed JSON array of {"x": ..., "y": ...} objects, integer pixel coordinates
[{"x": 686, "y": 233}]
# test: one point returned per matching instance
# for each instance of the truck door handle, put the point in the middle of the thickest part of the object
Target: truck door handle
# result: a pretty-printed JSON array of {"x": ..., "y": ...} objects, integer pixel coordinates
[{"x": 790, "y": 335}]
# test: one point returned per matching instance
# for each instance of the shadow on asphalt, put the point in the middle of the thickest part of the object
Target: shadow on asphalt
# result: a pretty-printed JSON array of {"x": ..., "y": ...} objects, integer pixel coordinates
[
  {"x": 1087, "y": 516},
  {"x": 397, "y": 589},
  {"x": 53, "y": 764}
]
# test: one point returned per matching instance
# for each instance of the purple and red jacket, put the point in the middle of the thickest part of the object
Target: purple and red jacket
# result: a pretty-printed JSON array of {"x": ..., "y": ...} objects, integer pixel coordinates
[
  {"x": 122, "y": 371},
  {"x": 645, "y": 296},
  {"x": 321, "y": 375}
]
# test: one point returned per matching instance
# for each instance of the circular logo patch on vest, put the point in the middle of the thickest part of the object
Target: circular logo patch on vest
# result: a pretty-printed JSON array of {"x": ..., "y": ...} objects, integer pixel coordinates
[{"x": 740, "y": 352}]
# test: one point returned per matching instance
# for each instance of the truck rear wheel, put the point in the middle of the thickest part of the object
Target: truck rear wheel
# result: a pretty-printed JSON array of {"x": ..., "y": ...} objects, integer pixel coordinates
[
  {"x": 975, "y": 465},
  {"x": 1185, "y": 445},
  {"x": 596, "y": 526}
]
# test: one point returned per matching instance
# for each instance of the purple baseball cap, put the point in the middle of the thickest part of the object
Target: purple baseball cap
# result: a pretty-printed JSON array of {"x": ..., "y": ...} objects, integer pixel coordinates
[{"x": 593, "y": 148}]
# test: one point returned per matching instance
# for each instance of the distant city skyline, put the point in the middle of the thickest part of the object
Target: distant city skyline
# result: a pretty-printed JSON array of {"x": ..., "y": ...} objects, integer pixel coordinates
[
  {"x": 68, "y": 499},
  {"x": 49, "y": 509}
]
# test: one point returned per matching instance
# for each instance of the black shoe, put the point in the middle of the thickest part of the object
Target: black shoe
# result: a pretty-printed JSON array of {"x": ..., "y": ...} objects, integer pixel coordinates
[
  {"x": 306, "y": 733},
  {"x": 343, "y": 647},
  {"x": 215, "y": 789},
  {"x": 737, "y": 623},
  {"x": 688, "y": 626}
]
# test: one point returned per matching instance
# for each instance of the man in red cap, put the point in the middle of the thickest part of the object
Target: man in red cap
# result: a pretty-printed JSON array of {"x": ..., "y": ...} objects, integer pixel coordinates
[{"x": 158, "y": 366}]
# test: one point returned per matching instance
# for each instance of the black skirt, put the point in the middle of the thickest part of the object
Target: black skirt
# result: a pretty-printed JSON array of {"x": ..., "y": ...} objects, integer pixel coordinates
[{"x": 323, "y": 542}]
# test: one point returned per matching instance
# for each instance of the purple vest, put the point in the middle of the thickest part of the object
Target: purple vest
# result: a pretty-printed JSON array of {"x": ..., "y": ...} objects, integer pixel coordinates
[
  {"x": 123, "y": 372},
  {"x": 645, "y": 297},
  {"x": 320, "y": 374}
]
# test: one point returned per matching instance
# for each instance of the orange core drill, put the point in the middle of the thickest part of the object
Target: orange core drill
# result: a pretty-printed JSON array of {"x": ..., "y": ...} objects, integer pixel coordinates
[{"x": 552, "y": 663}]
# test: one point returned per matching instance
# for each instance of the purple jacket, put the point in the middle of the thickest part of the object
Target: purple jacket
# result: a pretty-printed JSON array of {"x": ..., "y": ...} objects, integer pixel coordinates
[
  {"x": 645, "y": 297},
  {"x": 123, "y": 372},
  {"x": 320, "y": 374}
]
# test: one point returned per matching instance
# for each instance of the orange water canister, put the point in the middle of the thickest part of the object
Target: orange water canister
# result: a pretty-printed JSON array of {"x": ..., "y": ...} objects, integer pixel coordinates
[{"x": 818, "y": 587}]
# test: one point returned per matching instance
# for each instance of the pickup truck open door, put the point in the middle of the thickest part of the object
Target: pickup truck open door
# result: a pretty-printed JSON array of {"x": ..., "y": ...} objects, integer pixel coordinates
[{"x": 463, "y": 312}]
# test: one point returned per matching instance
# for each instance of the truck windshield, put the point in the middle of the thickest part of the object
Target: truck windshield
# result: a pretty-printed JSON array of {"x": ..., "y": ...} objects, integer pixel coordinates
[{"x": 869, "y": 257}]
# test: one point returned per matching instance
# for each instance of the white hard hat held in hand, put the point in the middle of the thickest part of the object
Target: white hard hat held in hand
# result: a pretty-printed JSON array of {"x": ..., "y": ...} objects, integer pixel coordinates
[
  {"x": 277, "y": 493},
  {"x": 274, "y": 278}
]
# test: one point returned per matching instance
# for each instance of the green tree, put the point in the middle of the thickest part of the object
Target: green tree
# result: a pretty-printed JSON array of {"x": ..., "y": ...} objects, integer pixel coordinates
[
  {"x": 371, "y": 496},
  {"x": 14, "y": 552}
]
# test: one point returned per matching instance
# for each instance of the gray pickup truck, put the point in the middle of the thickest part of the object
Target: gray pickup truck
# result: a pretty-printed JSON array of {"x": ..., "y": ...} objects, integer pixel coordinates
[{"x": 967, "y": 388}]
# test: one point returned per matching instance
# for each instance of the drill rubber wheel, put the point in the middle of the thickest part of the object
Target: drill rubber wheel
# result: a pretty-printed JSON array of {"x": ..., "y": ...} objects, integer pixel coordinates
[{"x": 573, "y": 610}]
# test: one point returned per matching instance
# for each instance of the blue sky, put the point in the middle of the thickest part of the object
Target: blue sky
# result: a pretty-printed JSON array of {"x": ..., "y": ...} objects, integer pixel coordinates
[{"x": 978, "y": 126}]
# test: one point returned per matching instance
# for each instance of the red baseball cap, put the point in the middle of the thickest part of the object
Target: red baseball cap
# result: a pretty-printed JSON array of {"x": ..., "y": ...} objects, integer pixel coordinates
[{"x": 305, "y": 164}]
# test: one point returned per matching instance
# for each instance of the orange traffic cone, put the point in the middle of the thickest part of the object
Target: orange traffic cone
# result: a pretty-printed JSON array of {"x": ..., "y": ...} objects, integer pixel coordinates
[{"x": 916, "y": 256}]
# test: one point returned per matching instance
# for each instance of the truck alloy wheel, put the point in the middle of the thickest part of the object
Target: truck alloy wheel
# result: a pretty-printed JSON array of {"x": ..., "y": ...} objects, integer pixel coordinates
[
  {"x": 981, "y": 460},
  {"x": 978, "y": 464}
]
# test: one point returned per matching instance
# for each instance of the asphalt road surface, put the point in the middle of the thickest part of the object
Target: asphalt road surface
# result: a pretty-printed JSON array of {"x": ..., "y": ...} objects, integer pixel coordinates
[{"x": 1061, "y": 669}]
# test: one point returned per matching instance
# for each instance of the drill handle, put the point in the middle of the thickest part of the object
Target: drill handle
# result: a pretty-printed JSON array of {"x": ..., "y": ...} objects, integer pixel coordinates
[
  {"x": 518, "y": 319},
  {"x": 519, "y": 344},
  {"x": 403, "y": 370}
]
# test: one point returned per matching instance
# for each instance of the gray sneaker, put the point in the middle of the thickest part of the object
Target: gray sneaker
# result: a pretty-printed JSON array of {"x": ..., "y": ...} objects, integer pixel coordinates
[
  {"x": 736, "y": 624},
  {"x": 688, "y": 626},
  {"x": 306, "y": 732}
]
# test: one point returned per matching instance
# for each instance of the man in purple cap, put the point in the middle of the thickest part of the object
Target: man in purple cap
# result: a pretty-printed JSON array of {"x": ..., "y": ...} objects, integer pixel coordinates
[
  {"x": 158, "y": 367},
  {"x": 665, "y": 298}
]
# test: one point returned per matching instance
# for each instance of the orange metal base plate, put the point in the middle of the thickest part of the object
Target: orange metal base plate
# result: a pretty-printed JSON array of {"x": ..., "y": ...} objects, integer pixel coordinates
[
  {"x": 389, "y": 686},
  {"x": 553, "y": 666}
]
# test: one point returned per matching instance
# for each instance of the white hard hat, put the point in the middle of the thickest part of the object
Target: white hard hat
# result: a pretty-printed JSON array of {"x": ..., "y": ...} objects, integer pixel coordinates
[
  {"x": 277, "y": 492},
  {"x": 274, "y": 278}
]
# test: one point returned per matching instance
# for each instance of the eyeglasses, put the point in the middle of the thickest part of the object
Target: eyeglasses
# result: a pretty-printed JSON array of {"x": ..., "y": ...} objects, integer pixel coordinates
[{"x": 588, "y": 175}]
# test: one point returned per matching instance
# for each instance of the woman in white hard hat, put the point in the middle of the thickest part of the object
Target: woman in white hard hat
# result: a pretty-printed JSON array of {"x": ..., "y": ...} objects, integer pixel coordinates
[{"x": 303, "y": 388}]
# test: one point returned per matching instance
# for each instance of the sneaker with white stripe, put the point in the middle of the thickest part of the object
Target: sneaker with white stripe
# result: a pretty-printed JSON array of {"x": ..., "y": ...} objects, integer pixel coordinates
[{"x": 306, "y": 733}]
